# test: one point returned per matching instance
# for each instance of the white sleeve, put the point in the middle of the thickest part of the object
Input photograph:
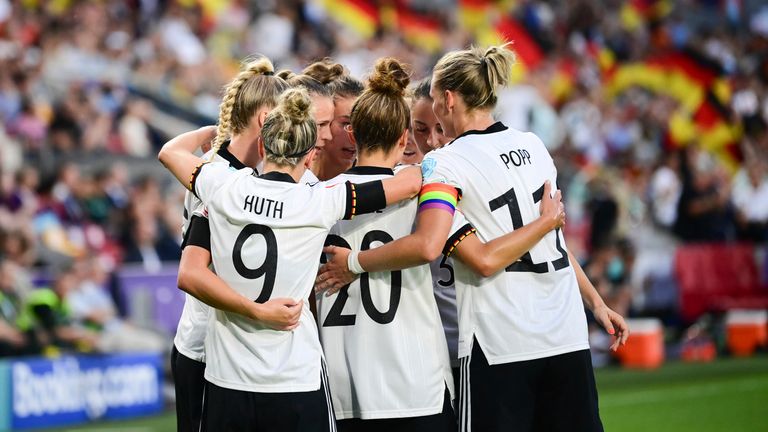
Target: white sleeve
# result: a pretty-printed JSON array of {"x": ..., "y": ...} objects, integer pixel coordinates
[
  {"x": 208, "y": 178},
  {"x": 437, "y": 168},
  {"x": 338, "y": 201}
]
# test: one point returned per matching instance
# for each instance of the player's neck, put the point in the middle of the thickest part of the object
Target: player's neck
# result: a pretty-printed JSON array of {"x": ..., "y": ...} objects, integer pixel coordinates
[
  {"x": 295, "y": 172},
  {"x": 378, "y": 159},
  {"x": 473, "y": 120},
  {"x": 326, "y": 169},
  {"x": 244, "y": 146}
]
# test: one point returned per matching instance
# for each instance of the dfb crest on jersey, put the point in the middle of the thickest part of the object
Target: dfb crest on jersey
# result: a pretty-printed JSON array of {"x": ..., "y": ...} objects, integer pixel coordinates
[{"x": 428, "y": 167}]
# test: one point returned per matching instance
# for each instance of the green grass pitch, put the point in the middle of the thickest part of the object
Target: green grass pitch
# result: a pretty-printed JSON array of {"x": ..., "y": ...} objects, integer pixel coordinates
[{"x": 726, "y": 395}]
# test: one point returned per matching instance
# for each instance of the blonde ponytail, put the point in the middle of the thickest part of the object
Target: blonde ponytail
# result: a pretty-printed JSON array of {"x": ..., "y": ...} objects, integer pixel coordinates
[{"x": 475, "y": 74}]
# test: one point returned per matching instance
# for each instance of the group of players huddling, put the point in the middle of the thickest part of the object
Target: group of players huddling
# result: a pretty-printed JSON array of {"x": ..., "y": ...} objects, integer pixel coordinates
[{"x": 447, "y": 298}]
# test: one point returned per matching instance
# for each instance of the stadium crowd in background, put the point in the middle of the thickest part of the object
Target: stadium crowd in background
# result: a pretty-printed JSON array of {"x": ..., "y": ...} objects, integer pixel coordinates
[{"x": 83, "y": 85}]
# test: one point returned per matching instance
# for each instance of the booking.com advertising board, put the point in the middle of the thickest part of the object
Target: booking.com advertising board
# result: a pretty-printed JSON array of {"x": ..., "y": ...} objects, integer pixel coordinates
[{"x": 38, "y": 392}]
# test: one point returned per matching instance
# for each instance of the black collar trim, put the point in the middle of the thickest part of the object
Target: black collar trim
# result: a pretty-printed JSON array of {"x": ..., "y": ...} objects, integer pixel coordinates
[
  {"x": 229, "y": 157},
  {"x": 494, "y": 128},
  {"x": 277, "y": 176},
  {"x": 370, "y": 170}
]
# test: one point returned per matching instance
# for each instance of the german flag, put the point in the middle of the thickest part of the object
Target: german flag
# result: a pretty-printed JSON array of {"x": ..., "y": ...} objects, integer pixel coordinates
[
  {"x": 699, "y": 86},
  {"x": 637, "y": 13},
  {"x": 563, "y": 80},
  {"x": 417, "y": 29},
  {"x": 360, "y": 15},
  {"x": 474, "y": 14},
  {"x": 529, "y": 53}
]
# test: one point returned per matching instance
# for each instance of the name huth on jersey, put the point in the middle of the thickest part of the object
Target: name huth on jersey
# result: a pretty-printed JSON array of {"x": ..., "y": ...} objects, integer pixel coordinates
[{"x": 256, "y": 205}]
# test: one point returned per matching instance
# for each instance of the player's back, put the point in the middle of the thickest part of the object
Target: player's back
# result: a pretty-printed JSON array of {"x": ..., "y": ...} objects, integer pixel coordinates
[
  {"x": 382, "y": 337},
  {"x": 267, "y": 234},
  {"x": 533, "y": 309}
]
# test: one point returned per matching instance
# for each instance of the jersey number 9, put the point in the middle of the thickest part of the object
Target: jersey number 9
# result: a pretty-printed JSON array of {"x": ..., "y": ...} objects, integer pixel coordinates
[{"x": 268, "y": 268}]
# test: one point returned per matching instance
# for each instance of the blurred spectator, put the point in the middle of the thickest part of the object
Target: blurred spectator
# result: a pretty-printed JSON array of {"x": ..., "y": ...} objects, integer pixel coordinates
[
  {"x": 605, "y": 214},
  {"x": 13, "y": 339},
  {"x": 92, "y": 307},
  {"x": 665, "y": 189},
  {"x": 134, "y": 131},
  {"x": 50, "y": 318},
  {"x": 750, "y": 199},
  {"x": 149, "y": 247},
  {"x": 703, "y": 209}
]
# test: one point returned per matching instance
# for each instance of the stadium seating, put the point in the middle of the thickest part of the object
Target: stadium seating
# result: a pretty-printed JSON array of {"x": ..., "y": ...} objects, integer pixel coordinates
[{"x": 719, "y": 277}]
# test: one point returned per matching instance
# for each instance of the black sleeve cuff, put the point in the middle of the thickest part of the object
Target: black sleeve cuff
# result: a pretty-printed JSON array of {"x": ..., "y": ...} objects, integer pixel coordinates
[
  {"x": 364, "y": 198},
  {"x": 457, "y": 237},
  {"x": 193, "y": 178},
  {"x": 198, "y": 233}
]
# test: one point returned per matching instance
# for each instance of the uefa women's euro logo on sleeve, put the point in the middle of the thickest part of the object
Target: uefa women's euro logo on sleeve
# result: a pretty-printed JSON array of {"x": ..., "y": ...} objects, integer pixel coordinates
[{"x": 428, "y": 167}]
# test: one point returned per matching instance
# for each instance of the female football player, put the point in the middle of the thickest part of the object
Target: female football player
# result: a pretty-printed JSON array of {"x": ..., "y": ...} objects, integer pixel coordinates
[
  {"x": 522, "y": 332},
  {"x": 388, "y": 362},
  {"x": 247, "y": 100},
  {"x": 266, "y": 237},
  {"x": 339, "y": 153}
]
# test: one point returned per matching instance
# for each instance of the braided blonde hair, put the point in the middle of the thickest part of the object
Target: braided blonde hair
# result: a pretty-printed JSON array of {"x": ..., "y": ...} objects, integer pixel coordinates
[{"x": 253, "y": 88}]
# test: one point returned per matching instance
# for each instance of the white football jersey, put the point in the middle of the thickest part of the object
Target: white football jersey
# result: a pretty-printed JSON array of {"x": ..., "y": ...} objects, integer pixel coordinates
[
  {"x": 383, "y": 341},
  {"x": 533, "y": 309},
  {"x": 444, "y": 285},
  {"x": 309, "y": 178},
  {"x": 267, "y": 235},
  {"x": 193, "y": 323}
]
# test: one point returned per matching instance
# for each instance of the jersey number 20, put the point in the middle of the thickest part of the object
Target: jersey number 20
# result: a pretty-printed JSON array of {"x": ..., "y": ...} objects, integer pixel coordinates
[{"x": 335, "y": 317}]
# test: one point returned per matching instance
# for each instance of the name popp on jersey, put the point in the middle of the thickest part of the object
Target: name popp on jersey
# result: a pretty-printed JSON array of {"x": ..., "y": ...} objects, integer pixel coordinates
[
  {"x": 516, "y": 158},
  {"x": 263, "y": 206}
]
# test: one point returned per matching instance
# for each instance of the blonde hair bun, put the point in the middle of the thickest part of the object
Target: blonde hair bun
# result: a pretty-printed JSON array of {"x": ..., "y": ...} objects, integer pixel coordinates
[
  {"x": 259, "y": 66},
  {"x": 389, "y": 77},
  {"x": 295, "y": 103}
]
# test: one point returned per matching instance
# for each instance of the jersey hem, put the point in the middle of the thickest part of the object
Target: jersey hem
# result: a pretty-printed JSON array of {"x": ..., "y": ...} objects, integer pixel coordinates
[
  {"x": 277, "y": 388},
  {"x": 190, "y": 354},
  {"x": 377, "y": 415},
  {"x": 494, "y": 360}
]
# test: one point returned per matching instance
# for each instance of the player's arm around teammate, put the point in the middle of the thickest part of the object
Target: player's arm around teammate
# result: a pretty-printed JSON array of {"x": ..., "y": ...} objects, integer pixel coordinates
[
  {"x": 205, "y": 285},
  {"x": 197, "y": 279},
  {"x": 484, "y": 258}
]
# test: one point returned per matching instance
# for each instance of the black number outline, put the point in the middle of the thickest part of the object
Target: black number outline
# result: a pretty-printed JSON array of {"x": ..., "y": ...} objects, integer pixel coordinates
[
  {"x": 268, "y": 268},
  {"x": 335, "y": 318},
  {"x": 526, "y": 264},
  {"x": 395, "y": 283},
  {"x": 451, "y": 279}
]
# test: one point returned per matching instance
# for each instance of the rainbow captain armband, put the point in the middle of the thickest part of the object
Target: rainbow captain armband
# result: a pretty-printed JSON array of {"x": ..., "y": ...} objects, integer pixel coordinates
[{"x": 438, "y": 196}]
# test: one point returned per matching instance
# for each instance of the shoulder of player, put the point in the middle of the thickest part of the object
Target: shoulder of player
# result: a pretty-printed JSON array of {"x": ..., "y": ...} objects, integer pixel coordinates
[{"x": 224, "y": 175}]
